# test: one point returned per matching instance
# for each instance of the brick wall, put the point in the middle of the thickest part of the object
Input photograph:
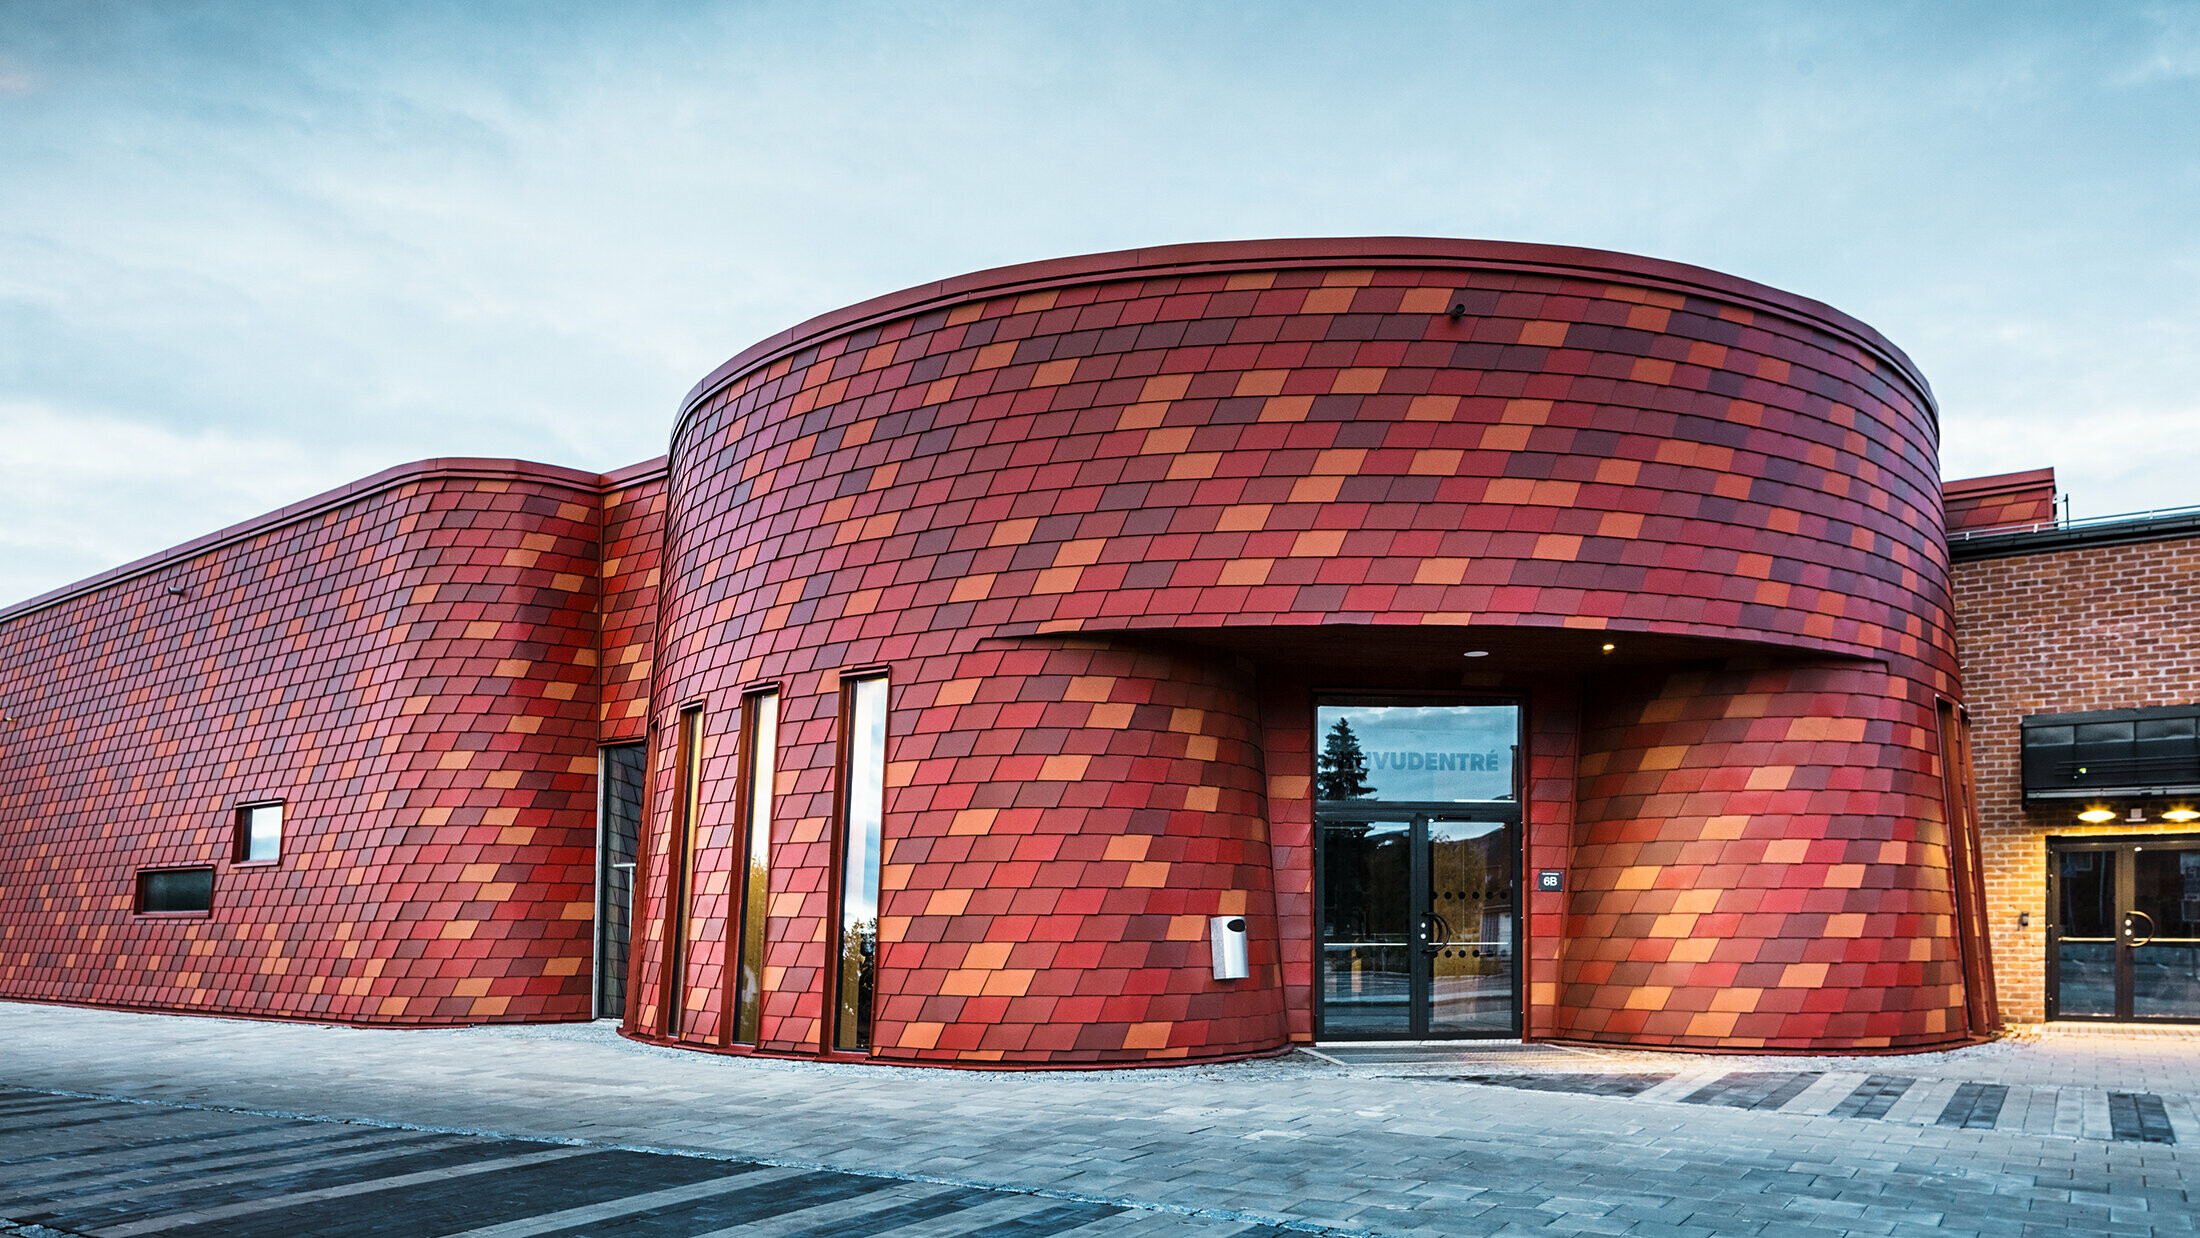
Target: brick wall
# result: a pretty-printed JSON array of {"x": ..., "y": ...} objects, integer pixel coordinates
[{"x": 2097, "y": 627}]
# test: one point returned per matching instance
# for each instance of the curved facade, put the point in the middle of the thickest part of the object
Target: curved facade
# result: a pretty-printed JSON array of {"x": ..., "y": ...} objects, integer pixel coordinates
[
  {"x": 1123, "y": 533},
  {"x": 1491, "y": 640}
]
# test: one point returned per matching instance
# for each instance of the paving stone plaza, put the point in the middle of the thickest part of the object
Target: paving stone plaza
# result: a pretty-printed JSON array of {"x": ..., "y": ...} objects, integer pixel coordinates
[{"x": 118, "y": 1124}]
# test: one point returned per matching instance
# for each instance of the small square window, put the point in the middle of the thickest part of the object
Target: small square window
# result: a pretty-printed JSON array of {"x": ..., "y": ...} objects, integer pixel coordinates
[
  {"x": 167, "y": 891},
  {"x": 259, "y": 834}
]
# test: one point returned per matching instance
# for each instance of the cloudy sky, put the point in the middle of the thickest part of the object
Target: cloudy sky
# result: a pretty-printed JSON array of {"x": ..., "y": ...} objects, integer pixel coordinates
[{"x": 251, "y": 251}]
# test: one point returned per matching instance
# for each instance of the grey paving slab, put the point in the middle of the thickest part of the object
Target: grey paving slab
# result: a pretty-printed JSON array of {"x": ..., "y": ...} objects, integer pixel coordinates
[
  {"x": 1212, "y": 1151},
  {"x": 957, "y": 1212},
  {"x": 135, "y": 1174},
  {"x": 86, "y": 1145},
  {"x": 136, "y": 1194},
  {"x": 1923, "y": 1101},
  {"x": 1826, "y": 1094},
  {"x": 2139, "y": 1116},
  {"x": 225, "y": 1216},
  {"x": 625, "y": 1206},
  {"x": 1974, "y": 1106},
  {"x": 1872, "y": 1096},
  {"x": 709, "y": 1197},
  {"x": 1749, "y": 1089}
]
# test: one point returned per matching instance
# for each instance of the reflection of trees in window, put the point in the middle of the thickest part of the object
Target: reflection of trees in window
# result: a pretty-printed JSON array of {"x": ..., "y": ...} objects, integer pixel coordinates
[
  {"x": 1466, "y": 893},
  {"x": 1341, "y": 771},
  {"x": 1368, "y": 869},
  {"x": 760, "y": 714},
  {"x": 858, "y": 964},
  {"x": 749, "y": 1005},
  {"x": 863, "y": 811}
]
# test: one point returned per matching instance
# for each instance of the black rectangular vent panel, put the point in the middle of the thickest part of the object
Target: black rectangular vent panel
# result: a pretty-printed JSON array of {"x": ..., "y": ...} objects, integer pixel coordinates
[{"x": 2127, "y": 752}]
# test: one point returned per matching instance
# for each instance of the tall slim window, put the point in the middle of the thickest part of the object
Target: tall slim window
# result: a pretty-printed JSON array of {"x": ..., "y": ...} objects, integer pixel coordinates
[
  {"x": 862, "y": 815},
  {"x": 760, "y": 745},
  {"x": 622, "y": 770},
  {"x": 680, "y": 867}
]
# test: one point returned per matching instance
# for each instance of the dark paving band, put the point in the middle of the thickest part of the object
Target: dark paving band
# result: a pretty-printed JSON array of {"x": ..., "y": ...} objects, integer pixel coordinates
[
  {"x": 109, "y": 1169},
  {"x": 2135, "y": 1117}
]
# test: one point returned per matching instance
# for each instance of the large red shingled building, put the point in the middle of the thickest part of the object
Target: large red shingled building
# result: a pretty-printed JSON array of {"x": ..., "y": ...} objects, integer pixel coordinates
[{"x": 1143, "y": 657}]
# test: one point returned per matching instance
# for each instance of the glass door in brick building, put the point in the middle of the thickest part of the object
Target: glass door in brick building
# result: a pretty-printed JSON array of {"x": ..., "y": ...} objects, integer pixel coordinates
[
  {"x": 1419, "y": 897},
  {"x": 2124, "y": 929},
  {"x": 618, "y": 830}
]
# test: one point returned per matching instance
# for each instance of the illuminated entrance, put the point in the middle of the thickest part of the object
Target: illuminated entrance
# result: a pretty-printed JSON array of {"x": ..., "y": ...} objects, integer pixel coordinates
[
  {"x": 1419, "y": 818},
  {"x": 2124, "y": 928}
]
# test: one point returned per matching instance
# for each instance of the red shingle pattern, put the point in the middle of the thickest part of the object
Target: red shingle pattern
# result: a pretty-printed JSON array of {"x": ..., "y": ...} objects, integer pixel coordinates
[
  {"x": 1761, "y": 862},
  {"x": 633, "y": 546},
  {"x": 1273, "y": 437},
  {"x": 2011, "y": 500},
  {"x": 411, "y": 670}
]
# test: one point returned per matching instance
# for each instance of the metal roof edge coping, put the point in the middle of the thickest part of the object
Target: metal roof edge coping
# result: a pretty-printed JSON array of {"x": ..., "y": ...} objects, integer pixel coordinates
[
  {"x": 1965, "y": 487},
  {"x": 434, "y": 469},
  {"x": 634, "y": 474},
  {"x": 1197, "y": 256},
  {"x": 2110, "y": 531}
]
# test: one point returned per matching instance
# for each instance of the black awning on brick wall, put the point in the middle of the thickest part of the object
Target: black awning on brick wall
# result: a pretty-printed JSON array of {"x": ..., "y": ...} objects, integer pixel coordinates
[{"x": 2113, "y": 752}]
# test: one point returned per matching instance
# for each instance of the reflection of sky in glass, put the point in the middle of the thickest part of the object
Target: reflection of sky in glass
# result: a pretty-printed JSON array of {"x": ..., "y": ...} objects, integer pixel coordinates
[
  {"x": 756, "y": 891},
  {"x": 1431, "y": 752},
  {"x": 762, "y": 752},
  {"x": 264, "y": 832},
  {"x": 866, "y": 801}
]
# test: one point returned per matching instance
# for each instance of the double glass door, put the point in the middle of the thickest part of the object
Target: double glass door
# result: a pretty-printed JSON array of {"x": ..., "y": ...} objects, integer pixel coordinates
[
  {"x": 2124, "y": 933},
  {"x": 1417, "y": 925}
]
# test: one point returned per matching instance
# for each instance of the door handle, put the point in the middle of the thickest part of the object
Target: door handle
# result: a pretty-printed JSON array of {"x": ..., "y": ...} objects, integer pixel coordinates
[
  {"x": 2136, "y": 940},
  {"x": 1435, "y": 930}
]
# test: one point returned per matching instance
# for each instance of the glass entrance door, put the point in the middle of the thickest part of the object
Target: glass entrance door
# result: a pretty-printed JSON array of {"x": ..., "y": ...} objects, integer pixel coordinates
[
  {"x": 2124, "y": 929},
  {"x": 1418, "y": 818},
  {"x": 1368, "y": 917},
  {"x": 1417, "y": 927},
  {"x": 1468, "y": 945}
]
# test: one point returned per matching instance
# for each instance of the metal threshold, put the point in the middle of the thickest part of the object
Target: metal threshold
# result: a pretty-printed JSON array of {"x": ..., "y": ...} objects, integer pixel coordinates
[{"x": 1402, "y": 1052}]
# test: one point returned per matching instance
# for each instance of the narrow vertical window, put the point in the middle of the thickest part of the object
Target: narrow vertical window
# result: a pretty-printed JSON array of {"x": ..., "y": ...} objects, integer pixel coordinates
[
  {"x": 760, "y": 745},
  {"x": 862, "y": 815},
  {"x": 621, "y": 771},
  {"x": 679, "y": 867}
]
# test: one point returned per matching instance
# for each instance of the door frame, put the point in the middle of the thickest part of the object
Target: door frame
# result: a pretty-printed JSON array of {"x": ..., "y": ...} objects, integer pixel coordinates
[
  {"x": 1522, "y": 704},
  {"x": 2121, "y": 847},
  {"x": 597, "y": 973},
  {"x": 1416, "y": 813}
]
